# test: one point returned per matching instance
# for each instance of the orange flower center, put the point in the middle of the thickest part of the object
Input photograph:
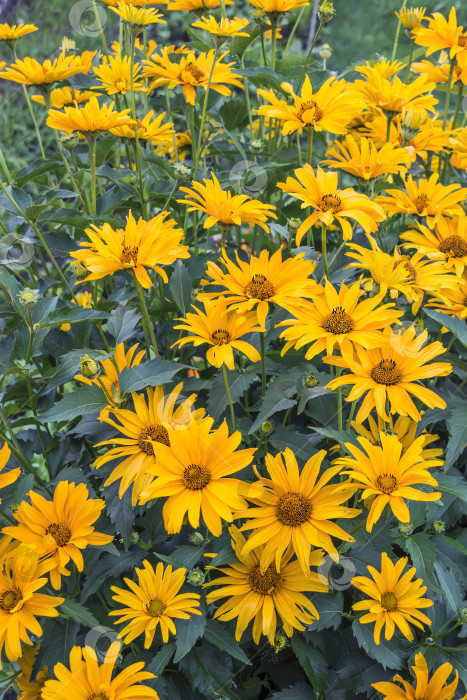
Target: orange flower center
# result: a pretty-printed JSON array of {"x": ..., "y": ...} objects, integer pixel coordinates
[
  {"x": 293, "y": 509},
  {"x": 60, "y": 533},
  {"x": 306, "y": 107},
  {"x": 412, "y": 275},
  {"x": 193, "y": 69},
  {"x": 389, "y": 602},
  {"x": 338, "y": 321},
  {"x": 330, "y": 201},
  {"x": 157, "y": 433},
  {"x": 221, "y": 337},
  {"x": 421, "y": 203},
  {"x": 155, "y": 607},
  {"x": 462, "y": 40},
  {"x": 100, "y": 696},
  {"x": 129, "y": 256},
  {"x": 259, "y": 288},
  {"x": 386, "y": 372},
  {"x": 196, "y": 477},
  {"x": 10, "y": 599},
  {"x": 267, "y": 583},
  {"x": 454, "y": 247},
  {"x": 386, "y": 483}
]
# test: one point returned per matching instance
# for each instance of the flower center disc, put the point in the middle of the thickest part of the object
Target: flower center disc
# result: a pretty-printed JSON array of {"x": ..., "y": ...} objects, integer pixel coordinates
[
  {"x": 157, "y": 433},
  {"x": 454, "y": 247},
  {"x": 193, "y": 70},
  {"x": 220, "y": 337},
  {"x": 196, "y": 477},
  {"x": 60, "y": 533},
  {"x": 386, "y": 483},
  {"x": 338, "y": 321},
  {"x": 10, "y": 599},
  {"x": 420, "y": 203},
  {"x": 293, "y": 509},
  {"x": 267, "y": 583},
  {"x": 129, "y": 256},
  {"x": 100, "y": 696},
  {"x": 155, "y": 607},
  {"x": 389, "y": 602},
  {"x": 259, "y": 288},
  {"x": 307, "y": 107},
  {"x": 330, "y": 201},
  {"x": 386, "y": 372}
]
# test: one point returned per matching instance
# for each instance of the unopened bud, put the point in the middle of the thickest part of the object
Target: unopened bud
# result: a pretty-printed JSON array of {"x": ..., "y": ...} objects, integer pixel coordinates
[
  {"x": 266, "y": 427},
  {"x": 439, "y": 526},
  {"x": 89, "y": 368},
  {"x": 293, "y": 225},
  {"x": 280, "y": 642},
  {"x": 68, "y": 45},
  {"x": 326, "y": 11},
  {"x": 182, "y": 172},
  {"x": 29, "y": 297},
  {"x": 196, "y": 577},
  {"x": 406, "y": 529},
  {"x": 325, "y": 51},
  {"x": 256, "y": 146},
  {"x": 69, "y": 141},
  {"x": 197, "y": 538},
  {"x": 411, "y": 122},
  {"x": 80, "y": 271},
  {"x": 310, "y": 381},
  {"x": 463, "y": 615}
]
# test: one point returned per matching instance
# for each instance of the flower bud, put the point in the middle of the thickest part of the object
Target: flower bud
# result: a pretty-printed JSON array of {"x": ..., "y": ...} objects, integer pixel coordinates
[
  {"x": 411, "y": 123},
  {"x": 280, "y": 641},
  {"x": 182, "y": 172},
  {"x": 80, "y": 271},
  {"x": 69, "y": 141},
  {"x": 326, "y": 11},
  {"x": 439, "y": 526},
  {"x": 406, "y": 529},
  {"x": 310, "y": 381},
  {"x": 89, "y": 368},
  {"x": 256, "y": 146},
  {"x": 196, "y": 577},
  {"x": 293, "y": 225},
  {"x": 325, "y": 51},
  {"x": 29, "y": 297},
  {"x": 197, "y": 538},
  {"x": 68, "y": 45},
  {"x": 463, "y": 615},
  {"x": 266, "y": 427}
]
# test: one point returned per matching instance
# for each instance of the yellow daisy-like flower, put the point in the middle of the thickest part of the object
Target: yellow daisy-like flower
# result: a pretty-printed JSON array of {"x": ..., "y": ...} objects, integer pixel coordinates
[
  {"x": 137, "y": 17},
  {"x": 114, "y": 75},
  {"x": 330, "y": 108},
  {"x": 192, "y": 72},
  {"x": 411, "y": 17},
  {"x": 440, "y": 73},
  {"x": 331, "y": 205},
  {"x": 135, "y": 3},
  {"x": 194, "y": 472},
  {"x": 184, "y": 147},
  {"x": 459, "y": 155},
  {"x": 140, "y": 245},
  {"x": 9, "y": 477},
  {"x": 59, "y": 529},
  {"x": 223, "y": 331},
  {"x": 20, "y": 604},
  {"x": 452, "y": 302},
  {"x": 198, "y": 6},
  {"x": 86, "y": 679},
  {"x": 434, "y": 689},
  {"x": 226, "y": 209},
  {"x": 83, "y": 299},
  {"x": 393, "y": 95},
  {"x": 297, "y": 509},
  {"x": 112, "y": 368},
  {"x": 391, "y": 373},
  {"x": 89, "y": 119},
  {"x": 62, "y": 97},
  {"x": 149, "y": 128},
  {"x": 259, "y": 282},
  {"x": 365, "y": 160},
  {"x": 404, "y": 428},
  {"x": 425, "y": 198},
  {"x": 384, "y": 68},
  {"x": 447, "y": 241},
  {"x": 224, "y": 28},
  {"x": 278, "y": 6},
  {"x": 442, "y": 33},
  {"x": 338, "y": 318},
  {"x": 262, "y": 597},
  {"x": 31, "y": 72},
  {"x": 387, "y": 474},
  {"x": 393, "y": 599},
  {"x": 154, "y": 600},
  {"x": 14, "y": 32},
  {"x": 31, "y": 689}
]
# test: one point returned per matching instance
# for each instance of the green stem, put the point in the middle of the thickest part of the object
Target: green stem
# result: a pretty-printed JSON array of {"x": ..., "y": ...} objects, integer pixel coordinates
[
  {"x": 169, "y": 114},
  {"x": 321, "y": 25},
  {"x": 227, "y": 388},
  {"x": 309, "y": 153},
  {"x": 460, "y": 90},
  {"x": 247, "y": 99},
  {"x": 388, "y": 127},
  {"x": 398, "y": 31},
  {"x": 32, "y": 401},
  {"x": 92, "y": 162},
  {"x": 203, "y": 114},
  {"x": 263, "y": 364},
  {"x": 146, "y": 320},
  {"x": 34, "y": 121},
  {"x": 101, "y": 31},
  {"x": 448, "y": 92},
  {"x": 294, "y": 29},
  {"x": 448, "y": 631},
  {"x": 323, "y": 250},
  {"x": 8, "y": 519},
  {"x": 169, "y": 198},
  {"x": 412, "y": 43},
  {"x": 15, "y": 446},
  {"x": 4, "y": 168},
  {"x": 273, "y": 42}
]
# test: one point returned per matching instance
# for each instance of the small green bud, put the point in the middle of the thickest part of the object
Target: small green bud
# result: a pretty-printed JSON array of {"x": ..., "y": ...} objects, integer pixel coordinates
[
  {"x": 182, "y": 171},
  {"x": 196, "y": 577},
  {"x": 310, "y": 381},
  {"x": 89, "y": 368},
  {"x": 29, "y": 297},
  {"x": 197, "y": 538},
  {"x": 256, "y": 146},
  {"x": 69, "y": 141},
  {"x": 293, "y": 225},
  {"x": 134, "y": 538},
  {"x": 463, "y": 615},
  {"x": 280, "y": 641},
  {"x": 439, "y": 526},
  {"x": 266, "y": 427},
  {"x": 325, "y": 51},
  {"x": 326, "y": 11},
  {"x": 80, "y": 271},
  {"x": 406, "y": 529}
]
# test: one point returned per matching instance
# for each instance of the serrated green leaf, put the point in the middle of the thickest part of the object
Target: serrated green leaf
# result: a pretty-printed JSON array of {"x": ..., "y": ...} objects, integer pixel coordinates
[
  {"x": 451, "y": 589},
  {"x": 312, "y": 661},
  {"x": 217, "y": 635},
  {"x": 80, "y": 402},
  {"x": 384, "y": 652},
  {"x": 180, "y": 286},
  {"x": 188, "y": 633},
  {"x": 423, "y": 555},
  {"x": 456, "y": 325},
  {"x": 457, "y": 423},
  {"x": 161, "y": 659},
  {"x": 79, "y": 613},
  {"x": 152, "y": 373}
]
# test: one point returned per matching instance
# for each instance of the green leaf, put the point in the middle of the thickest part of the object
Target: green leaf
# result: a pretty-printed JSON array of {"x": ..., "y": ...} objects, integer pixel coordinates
[
  {"x": 451, "y": 589},
  {"x": 59, "y": 636},
  {"x": 456, "y": 325},
  {"x": 71, "y": 314},
  {"x": 180, "y": 286},
  {"x": 269, "y": 409},
  {"x": 109, "y": 566},
  {"x": 161, "y": 659},
  {"x": 207, "y": 671},
  {"x": 262, "y": 77},
  {"x": 80, "y": 402},
  {"x": 302, "y": 444},
  {"x": 238, "y": 383},
  {"x": 79, "y": 613},
  {"x": 120, "y": 511},
  {"x": 188, "y": 633},
  {"x": 185, "y": 555},
  {"x": 234, "y": 113},
  {"x": 457, "y": 424},
  {"x": 423, "y": 555},
  {"x": 239, "y": 44},
  {"x": 221, "y": 638},
  {"x": 152, "y": 373},
  {"x": 122, "y": 323},
  {"x": 312, "y": 661},
  {"x": 22, "y": 199},
  {"x": 454, "y": 485},
  {"x": 384, "y": 652},
  {"x": 299, "y": 691}
]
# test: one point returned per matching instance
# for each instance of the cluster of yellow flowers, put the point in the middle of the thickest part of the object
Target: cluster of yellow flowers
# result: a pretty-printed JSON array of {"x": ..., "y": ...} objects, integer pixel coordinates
[{"x": 391, "y": 139}]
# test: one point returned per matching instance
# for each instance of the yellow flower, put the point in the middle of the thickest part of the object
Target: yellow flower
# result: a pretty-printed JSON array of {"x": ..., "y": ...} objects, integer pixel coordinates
[
  {"x": 224, "y": 28},
  {"x": 262, "y": 281},
  {"x": 387, "y": 474},
  {"x": 20, "y": 604},
  {"x": 331, "y": 204},
  {"x": 83, "y": 299},
  {"x": 384, "y": 68},
  {"x": 442, "y": 34},
  {"x": 16, "y": 31},
  {"x": 135, "y": 3},
  {"x": 363, "y": 159},
  {"x": 198, "y": 6},
  {"x": 85, "y": 675},
  {"x": 194, "y": 472},
  {"x": 112, "y": 368},
  {"x": 278, "y": 6},
  {"x": 59, "y": 529},
  {"x": 447, "y": 241},
  {"x": 222, "y": 330},
  {"x": 296, "y": 509},
  {"x": 137, "y": 17},
  {"x": 331, "y": 108},
  {"x": 140, "y": 245},
  {"x": 184, "y": 147},
  {"x": 31, "y": 690},
  {"x": 338, "y": 318},
  {"x": 31, "y": 72},
  {"x": 405, "y": 429},
  {"x": 451, "y": 302},
  {"x": 411, "y": 17},
  {"x": 425, "y": 198},
  {"x": 89, "y": 119},
  {"x": 145, "y": 429},
  {"x": 440, "y": 73},
  {"x": 115, "y": 75},
  {"x": 149, "y": 128},
  {"x": 191, "y": 72},
  {"x": 153, "y": 601},
  {"x": 393, "y": 95},
  {"x": 391, "y": 373},
  {"x": 62, "y": 97},
  {"x": 393, "y": 599},
  {"x": 433, "y": 689},
  {"x": 261, "y": 597},
  {"x": 10, "y": 476},
  {"x": 226, "y": 209}
]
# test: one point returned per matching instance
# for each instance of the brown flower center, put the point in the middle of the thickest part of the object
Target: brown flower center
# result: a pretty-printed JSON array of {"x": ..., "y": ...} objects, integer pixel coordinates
[
  {"x": 389, "y": 602},
  {"x": 259, "y": 288},
  {"x": 10, "y": 599},
  {"x": 156, "y": 433},
  {"x": 338, "y": 321},
  {"x": 155, "y": 607},
  {"x": 293, "y": 509},
  {"x": 196, "y": 477},
  {"x": 306, "y": 107},
  {"x": 60, "y": 533},
  {"x": 330, "y": 201},
  {"x": 100, "y": 696},
  {"x": 267, "y": 583},
  {"x": 462, "y": 40},
  {"x": 420, "y": 203},
  {"x": 193, "y": 69},
  {"x": 386, "y": 483},
  {"x": 221, "y": 337},
  {"x": 411, "y": 272},
  {"x": 454, "y": 247},
  {"x": 129, "y": 256},
  {"x": 386, "y": 372}
]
